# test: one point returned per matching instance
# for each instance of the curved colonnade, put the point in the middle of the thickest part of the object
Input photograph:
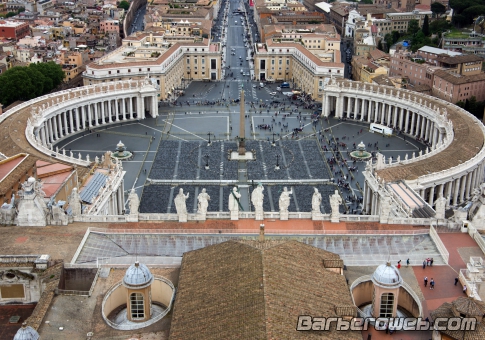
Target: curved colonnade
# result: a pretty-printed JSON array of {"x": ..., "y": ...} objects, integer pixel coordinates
[
  {"x": 452, "y": 167},
  {"x": 60, "y": 115},
  {"x": 453, "y": 164}
]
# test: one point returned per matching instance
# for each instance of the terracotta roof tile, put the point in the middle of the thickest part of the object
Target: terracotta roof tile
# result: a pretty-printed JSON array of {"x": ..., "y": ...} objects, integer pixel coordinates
[{"x": 256, "y": 290}]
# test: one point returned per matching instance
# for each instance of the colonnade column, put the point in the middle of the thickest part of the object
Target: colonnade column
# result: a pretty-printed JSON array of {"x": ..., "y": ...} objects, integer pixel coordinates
[
  {"x": 103, "y": 103},
  {"x": 130, "y": 109},
  {"x": 462, "y": 188},
  {"x": 51, "y": 131},
  {"x": 414, "y": 124},
  {"x": 117, "y": 110},
  {"x": 78, "y": 118},
  {"x": 42, "y": 135},
  {"x": 431, "y": 196},
  {"x": 456, "y": 187},
  {"x": 54, "y": 120},
  {"x": 468, "y": 184},
  {"x": 59, "y": 121},
  {"x": 110, "y": 110},
  {"x": 448, "y": 192},
  {"x": 423, "y": 127},
  {"x": 348, "y": 106},
  {"x": 90, "y": 121},
  {"x": 155, "y": 106}
]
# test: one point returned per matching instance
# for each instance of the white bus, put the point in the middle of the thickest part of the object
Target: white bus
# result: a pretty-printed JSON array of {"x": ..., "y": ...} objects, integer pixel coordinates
[{"x": 386, "y": 131}]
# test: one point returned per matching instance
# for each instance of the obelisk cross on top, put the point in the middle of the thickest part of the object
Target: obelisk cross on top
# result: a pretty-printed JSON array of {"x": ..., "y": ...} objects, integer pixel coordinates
[{"x": 242, "y": 125}]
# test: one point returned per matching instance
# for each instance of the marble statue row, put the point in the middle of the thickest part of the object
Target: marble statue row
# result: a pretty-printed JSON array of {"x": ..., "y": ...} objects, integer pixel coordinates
[{"x": 257, "y": 197}]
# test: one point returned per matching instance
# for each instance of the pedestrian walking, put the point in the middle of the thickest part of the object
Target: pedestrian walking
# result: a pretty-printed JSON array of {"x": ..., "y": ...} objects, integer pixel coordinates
[
  {"x": 425, "y": 281},
  {"x": 428, "y": 261},
  {"x": 407, "y": 263},
  {"x": 464, "y": 289},
  {"x": 456, "y": 280},
  {"x": 431, "y": 262},
  {"x": 431, "y": 284},
  {"x": 424, "y": 264}
]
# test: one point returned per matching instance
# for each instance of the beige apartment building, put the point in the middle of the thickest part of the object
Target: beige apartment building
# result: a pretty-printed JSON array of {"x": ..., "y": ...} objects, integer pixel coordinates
[
  {"x": 412, "y": 67},
  {"x": 454, "y": 87},
  {"x": 170, "y": 65},
  {"x": 292, "y": 62}
]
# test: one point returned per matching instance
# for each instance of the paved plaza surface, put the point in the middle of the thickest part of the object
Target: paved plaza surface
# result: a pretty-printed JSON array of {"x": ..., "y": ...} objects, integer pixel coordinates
[{"x": 174, "y": 146}]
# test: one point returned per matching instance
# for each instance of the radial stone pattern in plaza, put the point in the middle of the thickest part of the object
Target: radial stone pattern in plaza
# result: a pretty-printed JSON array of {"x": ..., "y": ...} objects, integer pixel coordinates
[{"x": 183, "y": 165}]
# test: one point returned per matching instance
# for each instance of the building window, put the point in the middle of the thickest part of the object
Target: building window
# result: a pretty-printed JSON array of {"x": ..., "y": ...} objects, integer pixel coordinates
[
  {"x": 137, "y": 306},
  {"x": 387, "y": 305}
]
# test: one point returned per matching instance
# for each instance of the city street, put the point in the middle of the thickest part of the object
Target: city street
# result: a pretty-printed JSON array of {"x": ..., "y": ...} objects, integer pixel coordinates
[{"x": 138, "y": 22}]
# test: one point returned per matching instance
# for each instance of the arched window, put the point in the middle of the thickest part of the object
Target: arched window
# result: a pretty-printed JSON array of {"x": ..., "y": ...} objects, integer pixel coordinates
[
  {"x": 387, "y": 305},
  {"x": 137, "y": 306}
]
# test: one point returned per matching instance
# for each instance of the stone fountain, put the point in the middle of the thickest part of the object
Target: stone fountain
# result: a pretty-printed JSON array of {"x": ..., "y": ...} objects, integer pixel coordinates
[
  {"x": 121, "y": 152},
  {"x": 360, "y": 154}
]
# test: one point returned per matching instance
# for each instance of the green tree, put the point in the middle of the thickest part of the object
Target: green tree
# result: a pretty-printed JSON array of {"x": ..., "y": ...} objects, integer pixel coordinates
[
  {"x": 413, "y": 27},
  {"x": 368, "y": 2},
  {"x": 438, "y": 9},
  {"x": 395, "y": 36},
  {"x": 28, "y": 82},
  {"x": 425, "y": 28},
  {"x": 379, "y": 45},
  {"x": 51, "y": 71},
  {"x": 10, "y": 14},
  {"x": 124, "y": 4},
  {"x": 388, "y": 40},
  {"x": 15, "y": 84},
  {"x": 438, "y": 26}
]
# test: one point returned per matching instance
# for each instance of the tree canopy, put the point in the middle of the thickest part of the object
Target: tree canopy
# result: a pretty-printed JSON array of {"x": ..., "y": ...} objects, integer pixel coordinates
[
  {"x": 28, "y": 82},
  {"x": 465, "y": 11},
  {"x": 413, "y": 26},
  {"x": 425, "y": 28},
  {"x": 124, "y": 4},
  {"x": 438, "y": 9}
]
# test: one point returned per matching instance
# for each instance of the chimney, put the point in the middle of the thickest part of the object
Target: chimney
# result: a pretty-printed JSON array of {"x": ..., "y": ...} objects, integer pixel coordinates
[{"x": 261, "y": 233}]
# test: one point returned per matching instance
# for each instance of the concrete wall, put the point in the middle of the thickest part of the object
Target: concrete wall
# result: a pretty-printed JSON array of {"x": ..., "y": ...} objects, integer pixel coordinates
[
  {"x": 406, "y": 301},
  {"x": 161, "y": 292},
  {"x": 363, "y": 293},
  {"x": 79, "y": 279},
  {"x": 116, "y": 299}
]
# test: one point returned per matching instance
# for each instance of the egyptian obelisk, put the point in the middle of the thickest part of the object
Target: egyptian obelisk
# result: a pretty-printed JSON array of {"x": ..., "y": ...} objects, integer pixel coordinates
[{"x": 242, "y": 123}]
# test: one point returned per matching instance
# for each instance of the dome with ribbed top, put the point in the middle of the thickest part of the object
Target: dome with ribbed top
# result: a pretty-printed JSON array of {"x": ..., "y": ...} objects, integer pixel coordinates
[
  {"x": 387, "y": 275},
  {"x": 137, "y": 276},
  {"x": 26, "y": 333}
]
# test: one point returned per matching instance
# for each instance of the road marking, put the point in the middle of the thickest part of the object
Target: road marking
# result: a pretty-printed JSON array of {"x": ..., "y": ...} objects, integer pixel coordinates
[{"x": 178, "y": 127}]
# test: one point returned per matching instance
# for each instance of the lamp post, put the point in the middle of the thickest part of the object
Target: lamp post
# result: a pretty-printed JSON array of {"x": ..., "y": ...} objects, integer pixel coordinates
[
  {"x": 209, "y": 134},
  {"x": 206, "y": 162},
  {"x": 277, "y": 167},
  {"x": 273, "y": 143}
]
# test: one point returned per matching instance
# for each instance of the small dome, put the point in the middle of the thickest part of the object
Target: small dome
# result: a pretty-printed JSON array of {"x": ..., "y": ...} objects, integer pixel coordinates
[
  {"x": 137, "y": 276},
  {"x": 386, "y": 275},
  {"x": 31, "y": 180},
  {"x": 26, "y": 333}
]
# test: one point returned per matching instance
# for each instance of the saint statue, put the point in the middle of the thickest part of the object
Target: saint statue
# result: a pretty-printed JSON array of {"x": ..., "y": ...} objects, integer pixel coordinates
[
  {"x": 285, "y": 200},
  {"x": 180, "y": 202},
  {"x": 203, "y": 202},
  {"x": 75, "y": 203},
  {"x": 316, "y": 201},
  {"x": 234, "y": 197},
  {"x": 134, "y": 202},
  {"x": 257, "y": 197},
  {"x": 440, "y": 207},
  {"x": 335, "y": 201}
]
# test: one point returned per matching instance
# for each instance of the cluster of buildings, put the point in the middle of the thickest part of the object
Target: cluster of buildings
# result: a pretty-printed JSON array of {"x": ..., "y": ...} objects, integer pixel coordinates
[
  {"x": 71, "y": 34},
  {"x": 451, "y": 76}
]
